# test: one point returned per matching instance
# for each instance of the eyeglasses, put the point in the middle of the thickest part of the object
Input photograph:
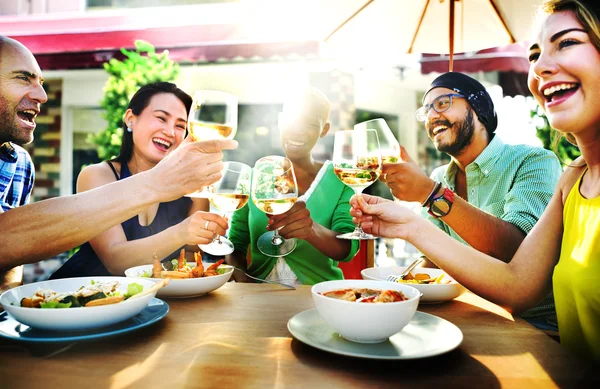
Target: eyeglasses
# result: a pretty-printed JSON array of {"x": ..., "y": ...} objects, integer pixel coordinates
[{"x": 440, "y": 104}]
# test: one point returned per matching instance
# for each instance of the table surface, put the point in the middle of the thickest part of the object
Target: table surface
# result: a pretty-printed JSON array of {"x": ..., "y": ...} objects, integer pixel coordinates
[{"x": 237, "y": 337}]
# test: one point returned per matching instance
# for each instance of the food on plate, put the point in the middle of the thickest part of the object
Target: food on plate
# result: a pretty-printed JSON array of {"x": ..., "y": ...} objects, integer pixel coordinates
[
  {"x": 366, "y": 295},
  {"x": 184, "y": 270},
  {"x": 96, "y": 294},
  {"x": 424, "y": 278}
]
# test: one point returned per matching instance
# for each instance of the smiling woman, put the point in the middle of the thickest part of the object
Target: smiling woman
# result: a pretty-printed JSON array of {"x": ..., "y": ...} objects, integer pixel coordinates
[{"x": 154, "y": 125}]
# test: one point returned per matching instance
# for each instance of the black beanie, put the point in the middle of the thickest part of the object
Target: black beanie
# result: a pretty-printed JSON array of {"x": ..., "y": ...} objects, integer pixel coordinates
[{"x": 474, "y": 92}]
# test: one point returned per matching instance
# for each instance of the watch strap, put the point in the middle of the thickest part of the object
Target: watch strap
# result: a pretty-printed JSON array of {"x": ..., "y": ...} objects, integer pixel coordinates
[
  {"x": 435, "y": 189},
  {"x": 448, "y": 196}
]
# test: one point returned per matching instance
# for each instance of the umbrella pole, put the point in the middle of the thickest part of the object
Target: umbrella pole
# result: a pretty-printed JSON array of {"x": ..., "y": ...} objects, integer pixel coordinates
[{"x": 451, "y": 35}]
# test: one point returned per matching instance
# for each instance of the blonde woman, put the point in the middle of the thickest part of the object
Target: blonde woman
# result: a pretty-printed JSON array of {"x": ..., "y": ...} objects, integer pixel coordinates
[{"x": 563, "y": 250}]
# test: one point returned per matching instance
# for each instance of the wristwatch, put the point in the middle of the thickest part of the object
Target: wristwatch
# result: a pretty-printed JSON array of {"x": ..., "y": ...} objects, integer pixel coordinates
[{"x": 441, "y": 205}]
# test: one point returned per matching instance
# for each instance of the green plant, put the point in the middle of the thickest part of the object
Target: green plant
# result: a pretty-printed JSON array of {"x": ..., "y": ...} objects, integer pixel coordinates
[
  {"x": 565, "y": 151},
  {"x": 140, "y": 67}
]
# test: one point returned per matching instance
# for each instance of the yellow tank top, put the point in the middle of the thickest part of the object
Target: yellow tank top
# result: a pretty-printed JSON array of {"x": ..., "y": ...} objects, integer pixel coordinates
[{"x": 576, "y": 279}]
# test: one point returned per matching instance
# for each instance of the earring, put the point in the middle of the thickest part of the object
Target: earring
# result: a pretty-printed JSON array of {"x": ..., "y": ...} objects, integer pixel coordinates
[{"x": 129, "y": 129}]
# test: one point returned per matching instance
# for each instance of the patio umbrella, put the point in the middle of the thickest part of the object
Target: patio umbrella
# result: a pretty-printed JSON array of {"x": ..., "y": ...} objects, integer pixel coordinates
[{"x": 432, "y": 26}]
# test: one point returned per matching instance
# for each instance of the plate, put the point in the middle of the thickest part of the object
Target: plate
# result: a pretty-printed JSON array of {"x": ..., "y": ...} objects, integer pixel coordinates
[
  {"x": 12, "y": 329},
  {"x": 424, "y": 336},
  {"x": 432, "y": 293},
  {"x": 187, "y": 287},
  {"x": 74, "y": 319}
]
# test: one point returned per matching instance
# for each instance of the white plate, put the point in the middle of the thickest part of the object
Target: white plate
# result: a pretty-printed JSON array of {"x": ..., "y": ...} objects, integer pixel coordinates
[
  {"x": 12, "y": 329},
  {"x": 74, "y": 319},
  {"x": 431, "y": 292},
  {"x": 187, "y": 287},
  {"x": 424, "y": 336}
]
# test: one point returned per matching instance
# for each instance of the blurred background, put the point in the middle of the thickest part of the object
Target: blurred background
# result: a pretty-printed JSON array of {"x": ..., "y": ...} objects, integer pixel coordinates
[{"x": 372, "y": 58}]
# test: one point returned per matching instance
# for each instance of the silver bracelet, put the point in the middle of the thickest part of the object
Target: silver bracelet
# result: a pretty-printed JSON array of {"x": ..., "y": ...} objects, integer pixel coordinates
[{"x": 436, "y": 187}]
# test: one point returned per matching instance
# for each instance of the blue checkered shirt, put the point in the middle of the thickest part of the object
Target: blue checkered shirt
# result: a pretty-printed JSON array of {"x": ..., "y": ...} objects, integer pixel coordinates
[{"x": 17, "y": 174}]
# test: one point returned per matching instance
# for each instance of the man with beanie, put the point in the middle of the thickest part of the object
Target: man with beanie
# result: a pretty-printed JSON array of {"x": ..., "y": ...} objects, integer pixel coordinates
[{"x": 491, "y": 194}]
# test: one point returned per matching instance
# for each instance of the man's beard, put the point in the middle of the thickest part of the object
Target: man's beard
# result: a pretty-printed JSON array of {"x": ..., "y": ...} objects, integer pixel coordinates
[
  {"x": 9, "y": 132},
  {"x": 464, "y": 136}
]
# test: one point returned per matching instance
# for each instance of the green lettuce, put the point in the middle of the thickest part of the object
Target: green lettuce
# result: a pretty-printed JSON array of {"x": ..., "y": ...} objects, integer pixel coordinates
[
  {"x": 55, "y": 304},
  {"x": 133, "y": 289}
]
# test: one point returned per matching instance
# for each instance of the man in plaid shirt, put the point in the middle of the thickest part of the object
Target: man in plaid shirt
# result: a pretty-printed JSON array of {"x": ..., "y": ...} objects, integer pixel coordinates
[
  {"x": 16, "y": 175},
  {"x": 61, "y": 223},
  {"x": 21, "y": 94}
]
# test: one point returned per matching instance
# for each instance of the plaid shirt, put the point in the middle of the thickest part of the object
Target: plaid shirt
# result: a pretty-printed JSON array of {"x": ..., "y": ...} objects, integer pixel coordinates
[{"x": 17, "y": 174}]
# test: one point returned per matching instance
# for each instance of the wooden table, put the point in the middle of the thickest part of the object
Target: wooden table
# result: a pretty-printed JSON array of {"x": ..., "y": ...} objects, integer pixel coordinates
[{"x": 237, "y": 337}]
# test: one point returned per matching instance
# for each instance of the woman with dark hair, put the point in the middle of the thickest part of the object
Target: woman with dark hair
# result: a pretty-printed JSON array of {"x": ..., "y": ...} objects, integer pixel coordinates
[
  {"x": 155, "y": 123},
  {"x": 562, "y": 251}
]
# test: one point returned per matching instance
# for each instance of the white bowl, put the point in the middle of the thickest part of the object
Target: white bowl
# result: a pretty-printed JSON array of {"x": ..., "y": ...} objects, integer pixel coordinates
[
  {"x": 74, "y": 319},
  {"x": 365, "y": 322},
  {"x": 186, "y": 287},
  {"x": 431, "y": 292}
]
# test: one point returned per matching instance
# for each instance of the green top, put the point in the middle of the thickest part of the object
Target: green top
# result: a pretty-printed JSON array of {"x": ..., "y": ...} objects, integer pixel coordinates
[
  {"x": 577, "y": 276},
  {"x": 328, "y": 205},
  {"x": 513, "y": 183}
]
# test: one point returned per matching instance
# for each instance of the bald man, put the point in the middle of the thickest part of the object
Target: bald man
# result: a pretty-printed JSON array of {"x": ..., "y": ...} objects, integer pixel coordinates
[{"x": 33, "y": 232}]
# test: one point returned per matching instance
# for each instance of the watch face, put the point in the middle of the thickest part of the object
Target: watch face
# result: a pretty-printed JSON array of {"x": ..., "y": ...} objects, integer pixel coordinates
[{"x": 441, "y": 207}]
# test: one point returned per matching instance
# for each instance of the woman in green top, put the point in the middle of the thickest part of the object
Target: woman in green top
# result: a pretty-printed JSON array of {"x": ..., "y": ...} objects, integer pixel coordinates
[
  {"x": 562, "y": 251},
  {"x": 321, "y": 213}
]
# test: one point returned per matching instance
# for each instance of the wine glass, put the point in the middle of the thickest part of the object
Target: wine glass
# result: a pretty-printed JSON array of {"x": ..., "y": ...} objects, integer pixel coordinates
[
  {"x": 388, "y": 145},
  {"x": 213, "y": 116},
  {"x": 357, "y": 163},
  {"x": 274, "y": 191},
  {"x": 229, "y": 194}
]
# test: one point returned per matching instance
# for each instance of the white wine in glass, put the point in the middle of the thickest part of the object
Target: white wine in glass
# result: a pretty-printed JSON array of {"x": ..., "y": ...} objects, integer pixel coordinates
[
  {"x": 229, "y": 194},
  {"x": 357, "y": 163},
  {"x": 388, "y": 144},
  {"x": 213, "y": 116},
  {"x": 274, "y": 191}
]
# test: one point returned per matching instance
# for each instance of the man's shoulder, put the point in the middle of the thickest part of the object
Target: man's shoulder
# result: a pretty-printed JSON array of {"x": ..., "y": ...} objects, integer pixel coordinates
[{"x": 523, "y": 150}]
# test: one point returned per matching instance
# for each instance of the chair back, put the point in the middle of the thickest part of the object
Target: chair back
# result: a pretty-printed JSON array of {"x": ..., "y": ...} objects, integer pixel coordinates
[{"x": 364, "y": 258}]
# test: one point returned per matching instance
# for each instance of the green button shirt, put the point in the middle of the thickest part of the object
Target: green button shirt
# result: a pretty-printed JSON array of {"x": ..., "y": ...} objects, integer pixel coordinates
[{"x": 511, "y": 182}]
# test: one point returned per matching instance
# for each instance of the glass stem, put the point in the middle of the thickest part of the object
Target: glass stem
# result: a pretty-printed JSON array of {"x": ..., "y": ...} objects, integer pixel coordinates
[
  {"x": 218, "y": 237},
  {"x": 358, "y": 228},
  {"x": 277, "y": 239}
]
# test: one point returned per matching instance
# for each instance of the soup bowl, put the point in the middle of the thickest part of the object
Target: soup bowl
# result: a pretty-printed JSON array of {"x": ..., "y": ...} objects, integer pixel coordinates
[{"x": 365, "y": 322}]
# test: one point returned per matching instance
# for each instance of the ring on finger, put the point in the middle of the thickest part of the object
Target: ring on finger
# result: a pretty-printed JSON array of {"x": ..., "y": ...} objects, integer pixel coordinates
[{"x": 206, "y": 224}]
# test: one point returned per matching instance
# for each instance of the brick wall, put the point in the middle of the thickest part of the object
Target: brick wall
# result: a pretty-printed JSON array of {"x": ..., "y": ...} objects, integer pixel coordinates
[{"x": 45, "y": 148}]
